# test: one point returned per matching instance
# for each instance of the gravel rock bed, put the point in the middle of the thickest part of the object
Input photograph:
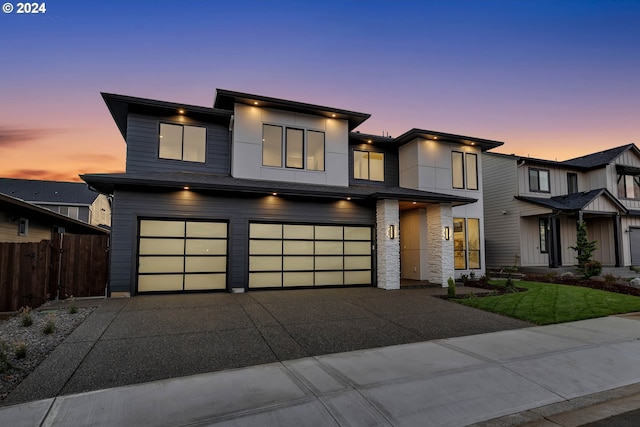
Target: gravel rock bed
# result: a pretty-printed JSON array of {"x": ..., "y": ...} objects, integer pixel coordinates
[{"x": 38, "y": 344}]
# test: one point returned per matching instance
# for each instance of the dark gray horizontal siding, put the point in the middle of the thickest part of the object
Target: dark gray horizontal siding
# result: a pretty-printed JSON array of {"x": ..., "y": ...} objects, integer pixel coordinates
[
  {"x": 129, "y": 206},
  {"x": 142, "y": 146},
  {"x": 391, "y": 166}
]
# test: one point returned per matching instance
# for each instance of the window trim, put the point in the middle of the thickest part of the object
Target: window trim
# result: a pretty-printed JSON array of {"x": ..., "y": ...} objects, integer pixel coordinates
[
  {"x": 466, "y": 169},
  {"x": 182, "y": 125},
  {"x": 463, "y": 175},
  {"x": 368, "y": 155},
  {"x": 543, "y": 224},
  {"x": 23, "y": 227},
  {"x": 635, "y": 179},
  {"x": 572, "y": 177},
  {"x": 302, "y": 148},
  {"x": 538, "y": 170},
  {"x": 284, "y": 147}
]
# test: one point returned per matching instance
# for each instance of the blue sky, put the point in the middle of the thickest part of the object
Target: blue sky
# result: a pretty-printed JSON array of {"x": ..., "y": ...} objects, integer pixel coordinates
[{"x": 552, "y": 79}]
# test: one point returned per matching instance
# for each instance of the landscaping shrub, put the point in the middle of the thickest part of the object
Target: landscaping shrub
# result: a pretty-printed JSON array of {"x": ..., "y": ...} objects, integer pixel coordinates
[
  {"x": 451, "y": 290},
  {"x": 27, "y": 320},
  {"x": 21, "y": 350},
  {"x": 49, "y": 327},
  {"x": 5, "y": 365}
]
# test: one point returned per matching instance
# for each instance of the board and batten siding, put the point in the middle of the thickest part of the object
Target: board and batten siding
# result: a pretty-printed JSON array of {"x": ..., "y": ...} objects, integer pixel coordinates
[
  {"x": 628, "y": 222},
  {"x": 142, "y": 146},
  {"x": 501, "y": 230},
  {"x": 184, "y": 204}
]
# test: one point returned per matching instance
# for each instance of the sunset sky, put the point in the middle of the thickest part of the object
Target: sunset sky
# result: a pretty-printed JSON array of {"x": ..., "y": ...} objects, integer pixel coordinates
[{"x": 552, "y": 79}]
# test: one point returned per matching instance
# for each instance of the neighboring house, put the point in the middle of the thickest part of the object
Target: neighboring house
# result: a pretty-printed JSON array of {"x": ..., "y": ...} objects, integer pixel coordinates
[
  {"x": 22, "y": 222},
  {"x": 533, "y": 206},
  {"x": 72, "y": 199},
  {"x": 260, "y": 192}
]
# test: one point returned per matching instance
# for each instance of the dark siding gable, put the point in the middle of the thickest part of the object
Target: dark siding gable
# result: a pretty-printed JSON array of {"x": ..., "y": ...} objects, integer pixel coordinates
[{"x": 142, "y": 146}]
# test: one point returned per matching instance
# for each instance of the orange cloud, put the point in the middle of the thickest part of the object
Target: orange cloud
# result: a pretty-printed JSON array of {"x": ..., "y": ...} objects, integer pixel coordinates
[{"x": 10, "y": 138}]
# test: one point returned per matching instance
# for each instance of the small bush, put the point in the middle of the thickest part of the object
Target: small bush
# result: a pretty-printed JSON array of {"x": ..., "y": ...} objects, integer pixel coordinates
[
  {"x": 550, "y": 276},
  {"x": 27, "y": 320},
  {"x": 464, "y": 278},
  {"x": 509, "y": 285},
  {"x": 5, "y": 365},
  {"x": 73, "y": 308},
  {"x": 610, "y": 279},
  {"x": 472, "y": 275},
  {"x": 49, "y": 327},
  {"x": 21, "y": 351},
  {"x": 591, "y": 268},
  {"x": 451, "y": 290}
]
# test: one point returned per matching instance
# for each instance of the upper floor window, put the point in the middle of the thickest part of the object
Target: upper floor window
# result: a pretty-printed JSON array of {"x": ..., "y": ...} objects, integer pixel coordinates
[
  {"x": 70, "y": 211},
  {"x": 368, "y": 165},
  {"x": 182, "y": 142},
  {"x": 461, "y": 179},
  {"x": 572, "y": 183},
  {"x": 629, "y": 187},
  {"x": 539, "y": 180},
  {"x": 299, "y": 152}
]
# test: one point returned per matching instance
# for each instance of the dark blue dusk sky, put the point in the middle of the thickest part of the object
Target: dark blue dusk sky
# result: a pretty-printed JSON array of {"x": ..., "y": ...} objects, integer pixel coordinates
[{"x": 552, "y": 79}]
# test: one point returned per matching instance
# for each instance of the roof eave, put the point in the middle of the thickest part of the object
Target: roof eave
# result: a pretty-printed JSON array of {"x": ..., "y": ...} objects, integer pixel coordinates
[{"x": 484, "y": 144}]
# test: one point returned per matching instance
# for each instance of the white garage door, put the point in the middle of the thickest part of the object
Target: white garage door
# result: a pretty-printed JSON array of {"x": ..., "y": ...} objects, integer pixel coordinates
[
  {"x": 182, "y": 255},
  {"x": 286, "y": 255}
]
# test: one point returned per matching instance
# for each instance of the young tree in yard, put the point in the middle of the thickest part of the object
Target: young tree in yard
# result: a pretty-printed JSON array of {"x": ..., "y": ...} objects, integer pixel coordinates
[{"x": 585, "y": 248}]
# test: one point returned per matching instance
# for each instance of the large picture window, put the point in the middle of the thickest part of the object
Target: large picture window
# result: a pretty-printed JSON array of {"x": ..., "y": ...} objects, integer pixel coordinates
[
  {"x": 182, "y": 142},
  {"x": 368, "y": 165},
  {"x": 539, "y": 180},
  {"x": 302, "y": 149}
]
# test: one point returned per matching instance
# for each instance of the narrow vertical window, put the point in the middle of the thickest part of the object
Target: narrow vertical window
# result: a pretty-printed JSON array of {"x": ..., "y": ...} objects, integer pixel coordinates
[
  {"x": 572, "y": 183},
  {"x": 295, "y": 148},
  {"x": 315, "y": 150},
  {"x": 473, "y": 226},
  {"x": 543, "y": 228},
  {"x": 472, "y": 171},
  {"x": 23, "y": 227},
  {"x": 272, "y": 145},
  {"x": 459, "y": 244},
  {"x": 457, "y": 169}
]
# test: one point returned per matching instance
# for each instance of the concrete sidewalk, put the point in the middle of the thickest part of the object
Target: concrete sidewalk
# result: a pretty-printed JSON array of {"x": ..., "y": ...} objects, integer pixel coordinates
[{"x": 449, "y": 382}]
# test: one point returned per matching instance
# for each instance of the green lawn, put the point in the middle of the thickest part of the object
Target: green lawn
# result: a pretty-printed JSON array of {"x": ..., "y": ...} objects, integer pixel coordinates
[{"x": 546, "y": 303}]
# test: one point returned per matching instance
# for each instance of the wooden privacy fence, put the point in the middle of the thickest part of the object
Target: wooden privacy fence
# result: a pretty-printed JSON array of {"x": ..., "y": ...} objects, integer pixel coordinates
[{"x": 68, "y": 265}]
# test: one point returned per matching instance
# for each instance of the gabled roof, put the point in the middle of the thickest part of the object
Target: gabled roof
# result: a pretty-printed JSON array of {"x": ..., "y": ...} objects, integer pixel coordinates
[
  {"x": 106, "y": 183},
  {"x": 120, "y": 106},
  {"x": 484, "y": 144},
  {"x": 31, "y": 211},
  {"x": 48, "y": 192},
  {"x": 225, "y": 99},
  {"x": 573, "y": 202},
  {"x": 601, "y": 158}
]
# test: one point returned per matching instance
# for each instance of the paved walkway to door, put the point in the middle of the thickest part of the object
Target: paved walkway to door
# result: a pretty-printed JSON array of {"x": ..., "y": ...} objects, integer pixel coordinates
[{"x": 148, "y": 338}]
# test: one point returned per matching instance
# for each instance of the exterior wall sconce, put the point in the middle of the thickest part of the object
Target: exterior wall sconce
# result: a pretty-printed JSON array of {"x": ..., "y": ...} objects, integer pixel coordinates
[
  {"x": 446, "y": 233},
  {"x": 391, "y": 231}
]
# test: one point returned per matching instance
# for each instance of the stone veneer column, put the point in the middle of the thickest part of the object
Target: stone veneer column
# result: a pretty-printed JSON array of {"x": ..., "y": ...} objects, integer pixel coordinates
[
  {"x": 440, "y": 253},
  {"x": 388, "y": 250}
]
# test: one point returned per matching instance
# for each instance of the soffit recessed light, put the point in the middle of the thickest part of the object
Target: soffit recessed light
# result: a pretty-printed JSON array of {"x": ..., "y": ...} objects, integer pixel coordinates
[
  {"x": 180, "y": 111},
  {"x": 348, "y": 198},
  {"x": 274, "y": 194},
  {"x": 185, "y": 187},
  {"x": 255, "y": 102}
]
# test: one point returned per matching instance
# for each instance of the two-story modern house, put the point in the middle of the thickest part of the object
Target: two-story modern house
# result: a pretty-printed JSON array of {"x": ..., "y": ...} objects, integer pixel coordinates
[
  {"x": 259, "y": 192},
  {"x": 533, "y": 206}
]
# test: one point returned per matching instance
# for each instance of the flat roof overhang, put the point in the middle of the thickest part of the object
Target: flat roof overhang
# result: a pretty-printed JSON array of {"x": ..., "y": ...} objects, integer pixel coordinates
[
  {"x": 121, "y": 105},
  {"x": 107, "y": 184},
  {"x": 225, "y": 99},
  {"x": 484, "y": 144}
]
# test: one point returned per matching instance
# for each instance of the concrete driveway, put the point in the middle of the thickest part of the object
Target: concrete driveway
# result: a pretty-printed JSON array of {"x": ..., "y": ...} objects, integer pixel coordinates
[{"x": 148, "y": 338}]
